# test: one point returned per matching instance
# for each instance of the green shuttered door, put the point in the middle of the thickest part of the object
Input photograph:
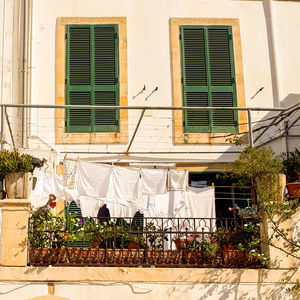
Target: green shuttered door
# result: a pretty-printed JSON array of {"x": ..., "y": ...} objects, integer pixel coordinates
[
  {"x": 92, "y": 77},
  {"x": 208, "y": 78}
]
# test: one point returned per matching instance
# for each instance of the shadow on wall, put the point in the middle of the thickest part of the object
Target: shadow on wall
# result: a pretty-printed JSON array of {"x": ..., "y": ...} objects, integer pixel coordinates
[{"x": 286, "y": 127}]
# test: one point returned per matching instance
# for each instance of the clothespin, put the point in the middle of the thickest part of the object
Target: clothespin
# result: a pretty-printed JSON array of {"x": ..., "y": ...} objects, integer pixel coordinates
[
  {"x": 213, "y": 185},
  {"x": 66, "y": 155}
]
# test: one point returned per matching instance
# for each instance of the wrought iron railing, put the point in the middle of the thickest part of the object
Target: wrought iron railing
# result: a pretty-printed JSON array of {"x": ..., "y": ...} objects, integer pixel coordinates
[{"x": 140, "y": 241}]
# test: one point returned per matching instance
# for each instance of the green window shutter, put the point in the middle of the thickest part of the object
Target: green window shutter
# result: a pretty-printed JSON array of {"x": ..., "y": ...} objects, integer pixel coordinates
[
  {"x": 92, "y": 77},
  {"x": 72, "y": 209},
  {"x": 208, "y": 78},
  {"x": 106, "y": 47}
]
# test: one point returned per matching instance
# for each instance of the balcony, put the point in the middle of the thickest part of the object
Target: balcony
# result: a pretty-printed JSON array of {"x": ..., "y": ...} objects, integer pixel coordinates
[{"x": 144, "y": 242}]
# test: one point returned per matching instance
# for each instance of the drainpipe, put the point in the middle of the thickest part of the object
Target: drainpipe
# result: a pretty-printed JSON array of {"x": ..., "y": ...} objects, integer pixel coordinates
[
  {"x": 274, "y": 59},
  {"x": 24, "y": 69}
]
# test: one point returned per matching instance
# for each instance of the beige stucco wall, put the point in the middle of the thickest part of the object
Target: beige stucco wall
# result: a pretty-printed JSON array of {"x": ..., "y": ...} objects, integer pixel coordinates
[
  {"x": 149, "y": 63},
  {"x": 136, "y": 283}
]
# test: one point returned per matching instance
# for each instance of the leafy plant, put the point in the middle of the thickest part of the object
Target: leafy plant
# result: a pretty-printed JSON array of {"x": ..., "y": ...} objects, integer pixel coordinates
[
  {"x": 14, "y": 162},
  {"x": 291, "y": 164},
  {"x": 156, "y": 235}
]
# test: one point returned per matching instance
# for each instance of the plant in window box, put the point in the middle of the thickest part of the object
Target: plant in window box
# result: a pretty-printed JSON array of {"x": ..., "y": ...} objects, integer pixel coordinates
[
  {"x": 15, "y": 168},
  {"x": 291, "y": 164},
  {"x": 155, "y": 236},
  {"x": 48, "y": 240}
]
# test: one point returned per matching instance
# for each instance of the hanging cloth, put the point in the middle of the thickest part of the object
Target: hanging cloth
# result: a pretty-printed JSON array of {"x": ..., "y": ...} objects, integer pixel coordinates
[
  {"x": 178, "y": 180},
  {"x": 45, "y": 186},
  {"x": 200, "y": 203},
  {"x": 93, "y": 179},
  {"x": 154, "y": 181},
  {"x": 89, "y": 206},
  {"x": 70, "y": 167},
  {"x": 123, "y": 185}
]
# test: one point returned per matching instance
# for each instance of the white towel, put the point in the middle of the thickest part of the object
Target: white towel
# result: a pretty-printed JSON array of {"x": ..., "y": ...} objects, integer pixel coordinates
[
  {"x": 92, "y": 179},
  {"x": 178, "y": 180},
  {"x": 123, "y": 185},
  {"x": 154, "y": 181},
  {"x": 46, "y": 185},
  {"x": 200, "y": 203},
  {"x": 89, "y": 206}
]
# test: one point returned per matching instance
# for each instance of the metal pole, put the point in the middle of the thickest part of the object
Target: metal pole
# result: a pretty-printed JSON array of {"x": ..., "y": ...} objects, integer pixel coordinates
[
  {"x": 136, "y": 129},
  {"x": 146, "y": 107},
  {"x": 2, "y": 126},
  {"x": 10, "y": 131},
  {"x": 250, "y": 128},
  {"x": 274, "y": 120}
]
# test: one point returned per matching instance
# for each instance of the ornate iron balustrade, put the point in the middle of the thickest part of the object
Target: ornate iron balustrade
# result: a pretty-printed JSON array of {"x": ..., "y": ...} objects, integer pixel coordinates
[{"x": 140, "y": 241}]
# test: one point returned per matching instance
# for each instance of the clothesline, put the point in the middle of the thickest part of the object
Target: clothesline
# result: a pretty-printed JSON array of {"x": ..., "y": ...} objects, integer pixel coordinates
[{"x": 124, "y": 189}]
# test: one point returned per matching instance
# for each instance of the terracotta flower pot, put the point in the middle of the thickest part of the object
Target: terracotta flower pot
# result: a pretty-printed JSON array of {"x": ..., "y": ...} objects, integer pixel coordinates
[
  {"x": 294, "y": 189},
  {"x": 17, "y": 185},
  {"x": 163, "y": 257},
  {"x": 179, "y": 243}
]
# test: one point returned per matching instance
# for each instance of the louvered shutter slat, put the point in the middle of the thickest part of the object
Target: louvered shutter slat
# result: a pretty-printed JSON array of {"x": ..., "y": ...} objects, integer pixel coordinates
[
  {"x": 219, "y": 57},
  {"x": 194, "y": 117},
  {"x": 194, "y": 57},
  {"x": 79, "y": 56},
  {"x": 104, "y": 40}
]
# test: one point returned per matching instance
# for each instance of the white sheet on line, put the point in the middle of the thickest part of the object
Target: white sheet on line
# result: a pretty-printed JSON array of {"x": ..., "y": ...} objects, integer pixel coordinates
[
  {"x": 89, "y": 206},
  {"x": 154, "y": 181},
  {"x": 92, "y": 179},
  {"x": 123, "y": 185},
  {"x": 200, "y": 203},
  {"x": 178, "y": 180},
  {"x": 46, "y": 185}
]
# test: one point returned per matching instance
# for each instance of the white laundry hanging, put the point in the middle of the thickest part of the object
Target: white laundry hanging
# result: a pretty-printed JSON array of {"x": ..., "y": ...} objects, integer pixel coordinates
[
  {"x": 92, "y": 179},
  {"x": 154, "y": 181},
  {"x": 178, "y": 180},
  {"x": 200, "y": 203},
  {"x": 123, "y": 185},
  {"x": 89, "y": 206},
  {"x": 46, "y": 185}
]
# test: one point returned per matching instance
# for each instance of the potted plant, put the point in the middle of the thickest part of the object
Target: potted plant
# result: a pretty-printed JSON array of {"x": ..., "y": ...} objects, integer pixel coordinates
[
  {"x": 291, "y": 164},
  {"x": 15, "y": 168},
  {"x": 48, "y": 239},
  {"x": 155, "y": 253}
]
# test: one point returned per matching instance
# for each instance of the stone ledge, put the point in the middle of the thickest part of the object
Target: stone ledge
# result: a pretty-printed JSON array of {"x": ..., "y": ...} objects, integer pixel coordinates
[
  {"x": 15, "y": 204},
  {"x": 87, "y": 274}
]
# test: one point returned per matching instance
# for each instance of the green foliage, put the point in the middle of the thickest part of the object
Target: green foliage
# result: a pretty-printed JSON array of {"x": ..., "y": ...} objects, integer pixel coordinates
[
  {"x": 156, "y": 235},
  {"x": 14, "y": 162},
  {"x": 254, "y": 164},
  {"x": 291, "y": 164}
]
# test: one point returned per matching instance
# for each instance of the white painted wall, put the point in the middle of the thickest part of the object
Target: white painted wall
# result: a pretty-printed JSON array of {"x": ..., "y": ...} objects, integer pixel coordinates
[{"x": 149, "y": 63}]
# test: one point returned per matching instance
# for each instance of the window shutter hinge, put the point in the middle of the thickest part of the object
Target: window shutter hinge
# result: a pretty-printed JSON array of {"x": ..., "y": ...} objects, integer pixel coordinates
[
  {"x": 180, "y": 36},
  {"x": 66, "y": 35},
  {"x": 116, "y": 80},
  {"x": 182, "y": 80},
  {"x": 230, "y": 37},
  {"x": 117, "y": 122},
  {"x": 116, "y": 35},
  {"x": 66, "y": 81},
  {"x": 183, "y": 123},
  {"x": 233, "y": 80}
]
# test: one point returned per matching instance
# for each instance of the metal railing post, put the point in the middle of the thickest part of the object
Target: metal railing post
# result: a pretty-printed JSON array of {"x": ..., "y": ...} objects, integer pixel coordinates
[{"x": 250, "y": 128}]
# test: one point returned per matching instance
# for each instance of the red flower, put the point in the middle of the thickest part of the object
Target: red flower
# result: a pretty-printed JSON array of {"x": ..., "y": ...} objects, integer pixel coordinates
[
  {"x": 65, "y": 234},
  {"x": 52, "y": 204},
  {"x": 190, "y": 238},
  {"x": 67, "y": 238},
  {"x": 213, "y": 240},
  {"x": 197, "y": 235}
]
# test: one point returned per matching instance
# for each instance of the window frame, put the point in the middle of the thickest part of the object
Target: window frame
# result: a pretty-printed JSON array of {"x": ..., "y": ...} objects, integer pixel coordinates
[
  {"x": 180, "y": 136},
  {"x": 97, "y": 137}
]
